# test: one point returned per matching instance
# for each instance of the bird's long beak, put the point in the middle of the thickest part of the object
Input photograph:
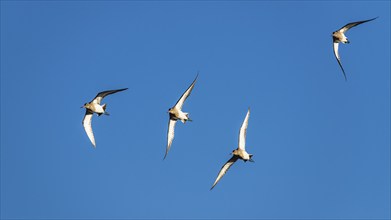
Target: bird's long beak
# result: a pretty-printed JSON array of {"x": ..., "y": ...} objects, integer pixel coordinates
[{"x": 82, "y": 106}]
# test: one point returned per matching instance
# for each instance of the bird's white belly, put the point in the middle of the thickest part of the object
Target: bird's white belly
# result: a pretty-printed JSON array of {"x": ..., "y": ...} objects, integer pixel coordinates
[
  {"x": 344, "y": 39},
  {"x": 244, "y": 155},
  {"x": 97, "y": 108},
  {"x": 181, "y": 115}
]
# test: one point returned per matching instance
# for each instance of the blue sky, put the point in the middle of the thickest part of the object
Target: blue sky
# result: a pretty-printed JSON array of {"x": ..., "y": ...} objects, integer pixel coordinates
[{"x": 321, "y": 145}]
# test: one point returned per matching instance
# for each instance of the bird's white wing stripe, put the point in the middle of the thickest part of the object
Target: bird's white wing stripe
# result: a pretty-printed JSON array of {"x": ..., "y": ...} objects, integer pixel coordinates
[
  {"x": 170, "y": 134},
  {"x": 336, "y": 54},
  {"x": 88, "y": 128},
  {"x": 186, "y": 94},
  {"x": 224, "y": 169},
  {"x": 243, "y": 132},
  {"x": 335, "y": 45}
]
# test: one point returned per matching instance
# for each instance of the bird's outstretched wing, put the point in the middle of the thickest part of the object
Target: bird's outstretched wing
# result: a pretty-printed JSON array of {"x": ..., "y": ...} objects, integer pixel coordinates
[
  {"x": 336, "y": 54},
  {"x": 186, "y": 94},
  {"x": 87, "y": 126},
  {"x": 243, "y": 132},
  {"x": 98, "y": 98},
  {"x": 224, "y": 169},
  {"x": 170, "y": 135},
  {"x": 352, "y": 24}
]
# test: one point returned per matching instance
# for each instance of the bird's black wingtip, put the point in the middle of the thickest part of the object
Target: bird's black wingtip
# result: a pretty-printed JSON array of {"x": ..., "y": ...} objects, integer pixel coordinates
[
  {"x": 165, "y": 155},
  {"x": 343, "y": 71},
  {"x": 344, "y": 75},
  {"x": 198, "y": 73}
]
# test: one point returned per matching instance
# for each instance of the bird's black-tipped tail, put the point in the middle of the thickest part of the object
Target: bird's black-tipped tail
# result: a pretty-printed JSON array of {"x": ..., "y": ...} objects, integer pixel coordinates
[
  {"x": 104, "y": 113},
  {"x": 104, "y": 109},
  {"x": 251, "y": 160},
  {"x": 188, "y": 118}
]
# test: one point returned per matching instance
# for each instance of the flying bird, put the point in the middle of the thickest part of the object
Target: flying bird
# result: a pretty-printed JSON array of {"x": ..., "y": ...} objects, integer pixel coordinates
[
  {"x": 175, "y": 113},
  {"x": 239, "y": 153},
  {"x": 95, "y": 107},
  {"x": 339, "y": 37}
]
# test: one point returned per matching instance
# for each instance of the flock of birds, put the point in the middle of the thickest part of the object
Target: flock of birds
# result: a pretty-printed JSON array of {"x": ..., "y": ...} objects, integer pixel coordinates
[{"x": 176, "y": 113}]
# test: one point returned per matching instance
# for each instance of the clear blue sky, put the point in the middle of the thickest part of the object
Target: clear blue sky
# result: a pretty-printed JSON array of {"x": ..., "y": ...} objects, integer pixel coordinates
[{"x": 321, "y": 145}]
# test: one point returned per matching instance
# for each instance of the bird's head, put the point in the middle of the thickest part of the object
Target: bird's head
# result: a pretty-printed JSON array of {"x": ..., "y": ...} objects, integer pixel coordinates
[{"x": 85, "y": 105}]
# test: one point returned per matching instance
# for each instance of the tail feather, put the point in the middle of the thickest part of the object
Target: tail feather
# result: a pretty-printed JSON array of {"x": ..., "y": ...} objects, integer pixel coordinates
[
  {"x": 104, "y": 113},
  {"x": 104, "y": 109},
  {"x": 251, "y": 160},
  {"x": 188, "y": 119}
]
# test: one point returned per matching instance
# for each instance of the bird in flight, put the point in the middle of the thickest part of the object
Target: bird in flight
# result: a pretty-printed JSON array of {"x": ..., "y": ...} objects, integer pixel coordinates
[
  {"x": 175, "y": 113},
  {"x": 95, "y": 107},
  {"x": 339, "y": 37},
  {"x": 239, "y": 153}
]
